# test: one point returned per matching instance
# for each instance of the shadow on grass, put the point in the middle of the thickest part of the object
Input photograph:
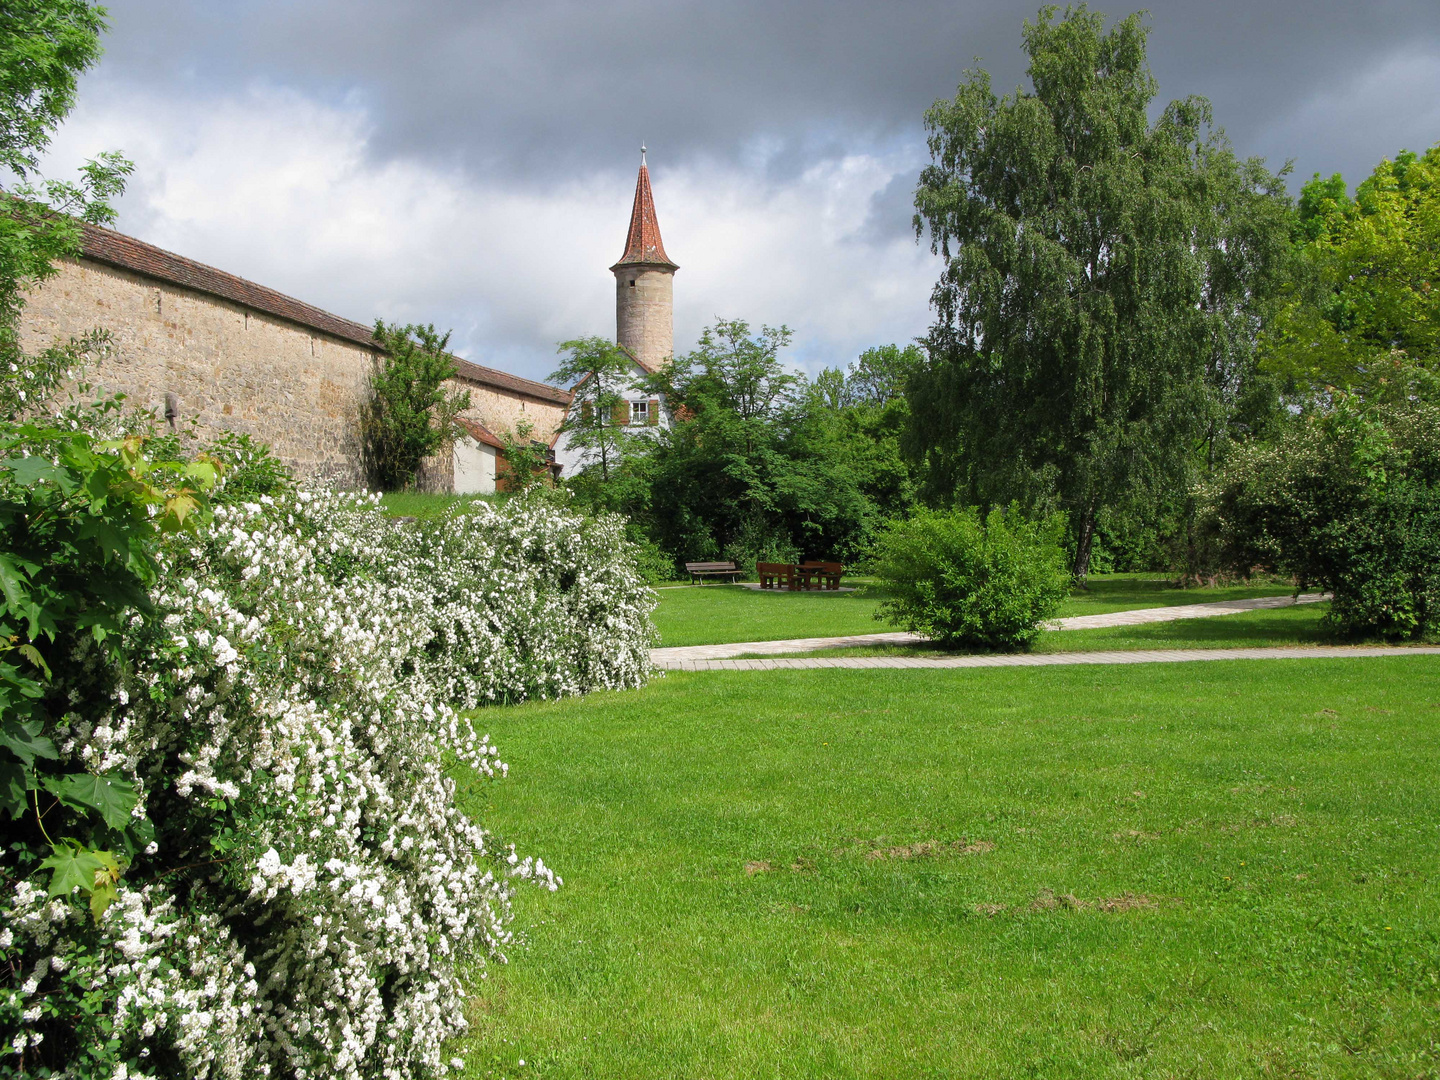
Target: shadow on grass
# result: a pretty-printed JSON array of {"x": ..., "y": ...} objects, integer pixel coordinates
[
  {"x": 1253, "y": 629},
  {"x": 1281, "y": 626}
]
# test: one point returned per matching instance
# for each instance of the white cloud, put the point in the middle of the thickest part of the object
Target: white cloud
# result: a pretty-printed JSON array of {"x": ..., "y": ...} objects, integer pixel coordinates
[{"x": 281, "y": 188}]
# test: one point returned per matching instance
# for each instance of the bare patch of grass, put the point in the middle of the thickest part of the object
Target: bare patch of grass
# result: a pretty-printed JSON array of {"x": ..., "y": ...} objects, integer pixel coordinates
[
  {"x": 1048, "y": 900},
  {"x": 930, "y": 848}
]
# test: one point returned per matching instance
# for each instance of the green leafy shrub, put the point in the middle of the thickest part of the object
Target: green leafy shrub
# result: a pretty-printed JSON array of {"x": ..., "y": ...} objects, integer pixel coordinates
[
  {"x": 965, "y": 579},
  {"x": 408, "y": 413},
  {"x": 1348, "y": 501},
  {"x": 250, "y": 470},
  {"x": 756, "y": 541},
  {"x": 651, "y": 560}
]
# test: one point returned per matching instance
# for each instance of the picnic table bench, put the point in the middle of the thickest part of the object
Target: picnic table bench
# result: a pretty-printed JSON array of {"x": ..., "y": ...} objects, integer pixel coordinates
[
  {"x": 808, "y": 575},
  {"x": 825, "y": 575},
  {"x": 775, "y": 575},
  {"x": 698, "y": 571}
]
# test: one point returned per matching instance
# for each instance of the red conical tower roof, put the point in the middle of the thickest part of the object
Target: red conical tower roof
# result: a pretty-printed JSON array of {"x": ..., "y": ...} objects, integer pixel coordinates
[{"x": 643, "y": 244}]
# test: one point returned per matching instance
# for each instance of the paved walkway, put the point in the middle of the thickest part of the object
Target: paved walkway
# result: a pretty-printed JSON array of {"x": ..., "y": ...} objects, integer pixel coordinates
[
  {"x": 674, "y": 657},
  {"x": 1153, "y": 656}
]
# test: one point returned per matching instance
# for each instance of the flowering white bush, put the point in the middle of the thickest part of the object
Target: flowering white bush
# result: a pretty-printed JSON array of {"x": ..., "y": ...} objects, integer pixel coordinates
[{"x": 312, "y": 894}]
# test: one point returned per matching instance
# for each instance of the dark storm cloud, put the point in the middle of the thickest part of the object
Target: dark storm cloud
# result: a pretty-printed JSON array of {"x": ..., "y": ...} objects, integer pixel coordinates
[{"x": 542, "y": 90}]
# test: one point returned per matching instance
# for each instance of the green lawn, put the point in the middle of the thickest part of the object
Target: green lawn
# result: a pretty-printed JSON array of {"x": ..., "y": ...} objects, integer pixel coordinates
[
  {"x": 424, "y": 504},
  {"x": 717, "y": 614},
  {"x": 1219, "y": 870}
]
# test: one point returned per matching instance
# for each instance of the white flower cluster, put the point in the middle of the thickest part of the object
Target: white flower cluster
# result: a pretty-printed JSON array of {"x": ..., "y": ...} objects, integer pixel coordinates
[{"x": 314, "y": 892}]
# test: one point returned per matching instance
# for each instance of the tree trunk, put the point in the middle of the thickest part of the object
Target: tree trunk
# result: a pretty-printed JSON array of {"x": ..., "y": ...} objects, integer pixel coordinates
[{"x": 1082, "y": 546}]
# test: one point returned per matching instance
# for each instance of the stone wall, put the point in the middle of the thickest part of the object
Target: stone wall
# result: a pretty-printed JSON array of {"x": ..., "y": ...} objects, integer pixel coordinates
[
  {"x": 234, "y": 368},
  {"x": 501, "y": 412},
  {"x": 231, "y": 368}
]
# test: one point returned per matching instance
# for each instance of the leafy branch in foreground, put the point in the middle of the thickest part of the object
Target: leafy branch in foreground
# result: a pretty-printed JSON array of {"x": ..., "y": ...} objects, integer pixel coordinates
[{"x": 80, "y": 524}]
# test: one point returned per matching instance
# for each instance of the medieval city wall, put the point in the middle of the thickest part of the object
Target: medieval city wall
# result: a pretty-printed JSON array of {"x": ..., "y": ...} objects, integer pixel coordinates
[
  {"x": 231, "y": 368},
  {"x": 502, "y": 412}
]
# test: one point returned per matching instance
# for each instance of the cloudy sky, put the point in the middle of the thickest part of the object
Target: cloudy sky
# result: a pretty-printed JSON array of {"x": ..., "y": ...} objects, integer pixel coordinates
[{"x": 472, "y": 164}]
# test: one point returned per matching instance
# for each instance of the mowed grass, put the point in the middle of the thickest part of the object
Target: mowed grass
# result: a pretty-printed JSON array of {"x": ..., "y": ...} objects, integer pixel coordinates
[
  {"x": 1217, "y": 870},
  {"x": 718, "y": 614},
  {"x": 424, "y": 504}
]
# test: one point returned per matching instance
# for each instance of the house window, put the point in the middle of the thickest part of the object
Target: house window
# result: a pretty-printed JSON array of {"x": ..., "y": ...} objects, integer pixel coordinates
[{"x": 639, "y": 412}]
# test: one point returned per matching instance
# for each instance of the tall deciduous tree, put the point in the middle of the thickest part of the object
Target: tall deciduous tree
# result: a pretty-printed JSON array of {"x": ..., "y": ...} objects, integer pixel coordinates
[
  {"x": 44, "y": 45},
  {"x": 409, "y": 413},
  {"x": 715, "y": 476},
  {"x": 1102, "y": 282},
  {"x": 599, "y": 371}
]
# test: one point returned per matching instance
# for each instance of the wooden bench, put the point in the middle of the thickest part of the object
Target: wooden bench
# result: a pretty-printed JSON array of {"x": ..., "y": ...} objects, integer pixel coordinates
[
  {"x": 825, "y": 575},
  {"x": 698, "y": 571},
  {"x": 775, "y": 575}
]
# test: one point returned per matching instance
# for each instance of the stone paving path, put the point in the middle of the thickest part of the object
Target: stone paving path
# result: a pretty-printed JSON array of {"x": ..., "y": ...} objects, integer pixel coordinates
[
  {"x": 1153, "y": 656},
  {"x": 678, "y": 655}
]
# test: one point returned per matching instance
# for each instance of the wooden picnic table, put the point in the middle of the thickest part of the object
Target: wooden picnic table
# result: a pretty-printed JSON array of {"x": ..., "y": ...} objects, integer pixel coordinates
[
  {"x": 806, "y": 576},
  {"x": 819, "y": 575},
  {"x": 775, "y": 575}
]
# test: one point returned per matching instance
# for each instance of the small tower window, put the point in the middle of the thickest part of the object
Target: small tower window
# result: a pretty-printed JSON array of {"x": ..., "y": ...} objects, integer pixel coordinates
[{"x": 632, "y": 282}]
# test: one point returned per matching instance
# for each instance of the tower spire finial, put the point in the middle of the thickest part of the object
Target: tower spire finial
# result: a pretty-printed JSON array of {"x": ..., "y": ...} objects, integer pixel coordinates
[{"x": 642, "y": 242}]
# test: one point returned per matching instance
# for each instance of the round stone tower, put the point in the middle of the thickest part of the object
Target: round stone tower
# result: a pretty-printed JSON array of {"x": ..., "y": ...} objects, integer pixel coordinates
[{"x": 644, "y": 279}]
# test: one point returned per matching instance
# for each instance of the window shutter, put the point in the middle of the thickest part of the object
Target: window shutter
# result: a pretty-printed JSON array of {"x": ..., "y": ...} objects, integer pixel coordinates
[
  {"x": 621, "y": 413},
  {"x": 653, "y": 416},
  {"x": 586, "y": 412}
]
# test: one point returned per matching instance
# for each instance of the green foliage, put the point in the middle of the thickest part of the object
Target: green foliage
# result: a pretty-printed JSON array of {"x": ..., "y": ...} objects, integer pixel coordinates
[
  {"x": 1103, "y": 279},
  {"x": 527, "y": 460},
  {"x": 654, "y": 565},
  {"x": 79, "y": 518},
  {"x": 709, "y": 482},
  {"x": 249, "y": 469},
  {"x": 408, "y": 414},
  {"x": 1348, "y": 501},
  {"x": 80, "y": 525},
  {"x": 599, "y": 371},
  {"x": 44, "y": 46},
  {"x": 877, "y": 378},
  {"x": 1364, "y": 316},
  {"x": 966, "y": 579},
  {"x": 759, "y": 465}
]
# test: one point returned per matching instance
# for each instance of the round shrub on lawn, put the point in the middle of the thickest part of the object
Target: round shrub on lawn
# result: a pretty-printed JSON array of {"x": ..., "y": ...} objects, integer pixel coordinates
[{"x": 964, "y": 579}]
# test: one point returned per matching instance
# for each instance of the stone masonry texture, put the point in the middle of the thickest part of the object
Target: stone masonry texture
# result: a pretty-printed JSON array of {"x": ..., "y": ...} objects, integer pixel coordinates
[
  {"x": 644, "y": 319},
  {"x": 240, "y": 357}
]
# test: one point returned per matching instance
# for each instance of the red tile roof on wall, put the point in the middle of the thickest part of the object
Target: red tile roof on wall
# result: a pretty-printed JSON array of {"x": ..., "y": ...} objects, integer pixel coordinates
[
  {"x": 642, "y": 243},
  {"x": 479, "y": 432},
  {"x": 116, "y": 249}
]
